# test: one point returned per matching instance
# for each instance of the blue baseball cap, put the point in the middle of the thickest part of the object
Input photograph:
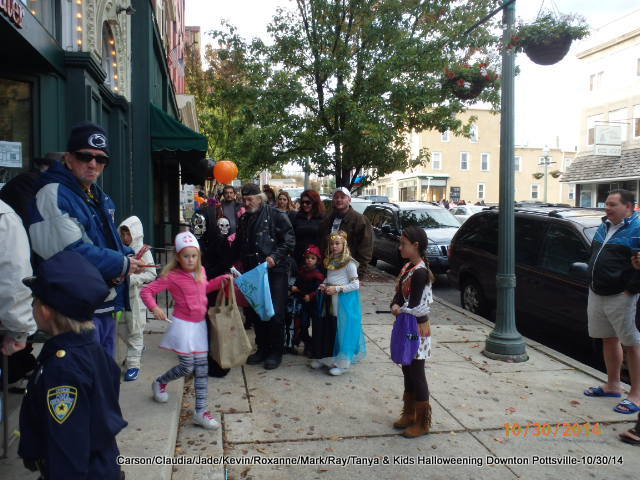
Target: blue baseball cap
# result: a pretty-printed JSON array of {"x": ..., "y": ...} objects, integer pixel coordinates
[{"x": 69, "y": 284}]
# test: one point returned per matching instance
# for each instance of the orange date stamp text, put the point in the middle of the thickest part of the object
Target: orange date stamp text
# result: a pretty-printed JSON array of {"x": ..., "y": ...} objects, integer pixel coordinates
[{"x": 555, "y": 430}]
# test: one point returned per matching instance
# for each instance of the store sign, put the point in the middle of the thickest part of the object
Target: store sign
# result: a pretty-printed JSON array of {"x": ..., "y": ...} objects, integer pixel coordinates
[
  {"x": 608, "y": 140},
  {"x": 13, "y": 10}
]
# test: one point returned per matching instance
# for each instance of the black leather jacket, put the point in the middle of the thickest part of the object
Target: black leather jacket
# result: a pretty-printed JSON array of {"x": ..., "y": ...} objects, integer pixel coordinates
[{"x": 266, "y": 233}]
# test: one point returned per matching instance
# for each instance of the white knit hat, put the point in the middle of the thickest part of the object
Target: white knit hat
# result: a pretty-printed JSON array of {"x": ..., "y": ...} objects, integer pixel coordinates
[{"x": 186, "y": 239}]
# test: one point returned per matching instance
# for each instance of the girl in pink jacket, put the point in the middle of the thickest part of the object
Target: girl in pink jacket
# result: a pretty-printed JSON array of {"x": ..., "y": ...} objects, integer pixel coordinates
[{"x": 185, "y": 278}]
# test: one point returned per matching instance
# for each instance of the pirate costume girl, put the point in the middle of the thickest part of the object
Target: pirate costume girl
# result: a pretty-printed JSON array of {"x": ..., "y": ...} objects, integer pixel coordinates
[{"x": 413, "y": 296}]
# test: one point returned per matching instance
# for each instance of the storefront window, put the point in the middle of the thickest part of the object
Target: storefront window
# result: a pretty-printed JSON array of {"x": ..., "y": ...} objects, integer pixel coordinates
[
  {"x": 44, "y": 11},
  {"x": 605, "y": 188},
  {"x": 71, "y": 14},
  {"x": 109, "y": 63},
  {"x": 15, "y": 128}
]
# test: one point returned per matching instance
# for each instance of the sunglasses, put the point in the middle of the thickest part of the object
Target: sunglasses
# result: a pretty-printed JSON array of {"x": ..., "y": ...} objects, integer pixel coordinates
[
  {"x": 87, "y": 157},
  {"x": 306, "y": 202}
]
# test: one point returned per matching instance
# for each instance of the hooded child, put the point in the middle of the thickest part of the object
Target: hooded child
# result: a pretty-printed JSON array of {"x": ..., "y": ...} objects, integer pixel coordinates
[{"x": 131, "y": 332}]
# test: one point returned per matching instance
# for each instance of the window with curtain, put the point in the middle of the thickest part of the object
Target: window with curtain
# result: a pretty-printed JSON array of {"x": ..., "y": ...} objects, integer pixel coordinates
[
  {"x": 71, "y": 13},
  {"x": 109, "y": 61}
]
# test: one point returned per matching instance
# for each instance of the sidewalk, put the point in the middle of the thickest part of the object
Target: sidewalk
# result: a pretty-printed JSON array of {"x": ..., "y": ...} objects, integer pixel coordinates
[{"x": 295, "y": 411}]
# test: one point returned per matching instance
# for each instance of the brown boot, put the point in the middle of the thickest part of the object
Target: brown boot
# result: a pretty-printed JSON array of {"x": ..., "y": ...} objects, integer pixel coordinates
[
  {"x": 423, "y": 421},
  {"x": 408, "y": 411}
]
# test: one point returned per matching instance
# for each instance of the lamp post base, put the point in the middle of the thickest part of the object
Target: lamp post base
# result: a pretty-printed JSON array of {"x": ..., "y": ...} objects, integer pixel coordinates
[
  {"x": 506, "y": 348},
  {"x": 510, "y": 358}
]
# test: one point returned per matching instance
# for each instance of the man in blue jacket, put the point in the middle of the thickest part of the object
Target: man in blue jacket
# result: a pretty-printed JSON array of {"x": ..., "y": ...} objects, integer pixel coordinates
[
  {"x": 613, "y": 296},
  {"x": 72, "y": 213}
]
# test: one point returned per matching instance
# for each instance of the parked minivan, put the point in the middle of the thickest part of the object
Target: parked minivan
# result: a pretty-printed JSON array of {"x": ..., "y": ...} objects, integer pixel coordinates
[{"x": 552, "y": 247}]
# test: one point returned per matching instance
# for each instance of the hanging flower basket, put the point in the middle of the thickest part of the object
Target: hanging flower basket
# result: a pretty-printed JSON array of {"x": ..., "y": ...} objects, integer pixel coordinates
[
  {"x": 549, "y": 52},
  {"x": 537, "y": 175},
  {"x": 548, "y": 39},
  {"x": 555, "y": 173},
  {"x": 466, "y": 81}
]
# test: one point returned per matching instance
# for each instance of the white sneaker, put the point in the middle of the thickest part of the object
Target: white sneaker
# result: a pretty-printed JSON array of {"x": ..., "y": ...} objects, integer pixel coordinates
[
  {"x": 315, "y": 364},
  {"x": 335, "y": 371},
  {"x": 159, "y": 392},
  {"x": 205, "y": 420}
]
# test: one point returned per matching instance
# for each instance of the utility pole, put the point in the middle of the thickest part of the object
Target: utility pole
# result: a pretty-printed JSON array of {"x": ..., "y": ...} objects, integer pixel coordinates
[{"x": 505, "y": 342}]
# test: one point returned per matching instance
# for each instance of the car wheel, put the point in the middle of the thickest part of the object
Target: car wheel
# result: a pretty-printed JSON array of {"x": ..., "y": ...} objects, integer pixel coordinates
[
  {"x": 472, "y": 298},
  {"x": 373, "y": 261}
]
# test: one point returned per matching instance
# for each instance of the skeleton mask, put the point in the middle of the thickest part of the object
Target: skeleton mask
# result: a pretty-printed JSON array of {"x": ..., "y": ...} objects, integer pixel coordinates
[
  {"x": 223, "y": 225},
  {"x": 198, "y": 225}
]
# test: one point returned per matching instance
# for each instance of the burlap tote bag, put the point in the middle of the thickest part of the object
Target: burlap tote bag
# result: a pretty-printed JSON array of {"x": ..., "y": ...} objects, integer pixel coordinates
[{"x": 230, "y": 345}]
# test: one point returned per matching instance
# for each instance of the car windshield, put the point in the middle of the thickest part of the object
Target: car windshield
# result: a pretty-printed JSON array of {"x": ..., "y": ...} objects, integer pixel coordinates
[
  {"x": 360, "y": 206},
  {"x": 428, "y": 218},
  {"x": 590, "y": 232}
]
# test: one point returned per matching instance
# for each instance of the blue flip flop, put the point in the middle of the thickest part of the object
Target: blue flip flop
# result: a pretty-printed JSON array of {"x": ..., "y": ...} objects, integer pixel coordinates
[
  {"x": 626, "y": 407},
  {"x": 599, "y": 392}
]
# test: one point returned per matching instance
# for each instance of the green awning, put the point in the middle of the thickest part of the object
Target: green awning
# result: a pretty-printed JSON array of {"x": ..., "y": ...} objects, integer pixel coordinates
[{"x": 169, "y": 134}]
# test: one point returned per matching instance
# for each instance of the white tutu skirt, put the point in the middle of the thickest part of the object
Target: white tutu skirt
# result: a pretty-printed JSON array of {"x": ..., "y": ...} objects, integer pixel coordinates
[{"x": 185, "y": 338}]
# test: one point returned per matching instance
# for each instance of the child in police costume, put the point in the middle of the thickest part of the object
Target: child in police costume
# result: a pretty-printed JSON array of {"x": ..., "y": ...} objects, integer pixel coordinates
[{"x": 70, "y": 414}]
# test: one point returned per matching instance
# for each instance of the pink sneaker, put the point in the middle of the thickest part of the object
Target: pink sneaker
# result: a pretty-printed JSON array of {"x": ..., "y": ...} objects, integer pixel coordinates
[
  {"x": 159, "y": 392},
  {"x": 206, "y": 420}
]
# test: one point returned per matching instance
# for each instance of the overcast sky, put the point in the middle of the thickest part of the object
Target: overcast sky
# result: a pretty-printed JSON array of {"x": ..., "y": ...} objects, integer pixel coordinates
[{"x": 547, "y": 97}]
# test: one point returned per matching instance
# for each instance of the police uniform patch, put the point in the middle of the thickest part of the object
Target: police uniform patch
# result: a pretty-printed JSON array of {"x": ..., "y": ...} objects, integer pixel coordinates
[{"x": 61, "y": 401}]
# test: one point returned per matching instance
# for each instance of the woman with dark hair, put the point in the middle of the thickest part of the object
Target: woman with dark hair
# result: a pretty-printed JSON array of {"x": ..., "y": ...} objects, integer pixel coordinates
[
  {"x": 306, "y": 223},
  {"x": 413, "y": 296},
  {"x": 271, "y": 195},
  {"x": 285, "y": 205}
]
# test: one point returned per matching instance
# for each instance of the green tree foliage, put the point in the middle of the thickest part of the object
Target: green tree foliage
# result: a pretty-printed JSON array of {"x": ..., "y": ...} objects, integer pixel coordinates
[{"x": 342, "y": 83}]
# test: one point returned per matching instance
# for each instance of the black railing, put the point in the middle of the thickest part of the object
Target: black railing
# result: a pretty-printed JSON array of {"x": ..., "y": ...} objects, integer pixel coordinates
[{"x": 162, "y": 256}]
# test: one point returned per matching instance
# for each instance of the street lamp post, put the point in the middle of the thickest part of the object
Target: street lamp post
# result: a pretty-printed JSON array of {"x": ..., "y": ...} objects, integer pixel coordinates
[
  {"x": 505, "y": 342},
  {"x": 546, "y": 164}
]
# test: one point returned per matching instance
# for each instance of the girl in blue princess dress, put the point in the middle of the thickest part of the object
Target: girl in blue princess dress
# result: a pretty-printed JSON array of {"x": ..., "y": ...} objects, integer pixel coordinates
[{"x": 342, "y": 338}]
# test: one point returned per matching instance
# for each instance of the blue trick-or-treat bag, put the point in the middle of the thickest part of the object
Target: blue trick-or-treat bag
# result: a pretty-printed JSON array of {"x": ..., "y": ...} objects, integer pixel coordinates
[
  {"x": 254, "y": 285},
  {"x": 405, "y": 339}
]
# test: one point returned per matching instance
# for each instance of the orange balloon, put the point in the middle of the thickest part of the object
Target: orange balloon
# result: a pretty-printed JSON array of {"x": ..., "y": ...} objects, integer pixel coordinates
[{"x": 225, "y": 171}]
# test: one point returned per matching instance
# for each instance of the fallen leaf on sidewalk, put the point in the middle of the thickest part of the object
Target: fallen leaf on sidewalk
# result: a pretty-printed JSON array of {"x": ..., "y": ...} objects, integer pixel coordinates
[
  {"x": 509, "y": 410},
  {"x": 269, "y": 430},
  {"x": 245, "y": 472},
  {"x": 499, "y": 439},
  {"x": 335, "y": 438},
  {"x": 575, "y": 403}
]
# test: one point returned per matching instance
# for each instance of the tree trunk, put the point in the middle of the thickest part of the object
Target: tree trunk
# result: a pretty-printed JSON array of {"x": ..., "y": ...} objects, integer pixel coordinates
[{"x": 337, "y": 155}]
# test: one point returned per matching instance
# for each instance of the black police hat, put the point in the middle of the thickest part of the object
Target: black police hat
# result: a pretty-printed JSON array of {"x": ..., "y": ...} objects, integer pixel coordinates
[{"x": 70, "y": 284}]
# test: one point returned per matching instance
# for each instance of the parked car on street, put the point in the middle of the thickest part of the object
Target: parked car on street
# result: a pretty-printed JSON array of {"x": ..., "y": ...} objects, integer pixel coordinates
[
  {"x": 463, "y": 212},
  {"x": 389, "y": 219},
  {"x": 552, "y": 247},
  {"x": 375, "y": 198}
]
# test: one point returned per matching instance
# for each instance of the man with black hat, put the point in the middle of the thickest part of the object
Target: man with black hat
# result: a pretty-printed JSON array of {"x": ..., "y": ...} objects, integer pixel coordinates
[
  {"x": 73, "y": 213},
  {"x": 70, "y": 414},
  {"x": 266, "y": 235}
]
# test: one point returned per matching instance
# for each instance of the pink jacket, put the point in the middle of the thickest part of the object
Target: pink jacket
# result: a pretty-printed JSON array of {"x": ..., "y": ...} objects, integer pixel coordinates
[{"x": 189, "y": 296}]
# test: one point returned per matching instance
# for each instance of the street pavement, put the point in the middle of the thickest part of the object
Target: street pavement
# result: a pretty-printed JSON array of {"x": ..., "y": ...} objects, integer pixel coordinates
[{"x": 295, "y": 414}]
